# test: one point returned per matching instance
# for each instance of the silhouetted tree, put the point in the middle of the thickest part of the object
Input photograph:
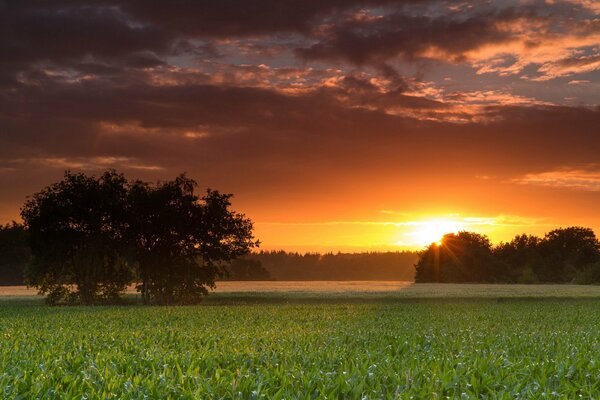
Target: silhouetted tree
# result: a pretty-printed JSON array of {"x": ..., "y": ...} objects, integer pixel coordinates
[
  {"x": 91, "y": 237},
  {"x": 14, "y": 253},
  {"x": 462, "y": 257},
  {"x": 521, "y": 259},
  {"x": 181, "y": 241},
  {"x": 567, "y": 251},
  {"x": 76, "y": 229}
]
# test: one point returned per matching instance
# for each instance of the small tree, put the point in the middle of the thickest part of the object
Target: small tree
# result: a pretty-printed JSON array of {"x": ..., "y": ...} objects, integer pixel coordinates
[
  {"x": 76, "y": 229},
  {"x": 180, "y": 241}
]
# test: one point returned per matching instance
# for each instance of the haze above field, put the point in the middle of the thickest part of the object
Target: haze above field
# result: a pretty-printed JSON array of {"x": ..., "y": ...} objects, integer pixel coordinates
[{"x": 338, "y": 125}]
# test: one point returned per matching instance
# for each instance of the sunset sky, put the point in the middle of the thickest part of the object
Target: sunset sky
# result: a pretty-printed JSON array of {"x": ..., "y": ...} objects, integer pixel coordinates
[{"x": 338, "y": 124}]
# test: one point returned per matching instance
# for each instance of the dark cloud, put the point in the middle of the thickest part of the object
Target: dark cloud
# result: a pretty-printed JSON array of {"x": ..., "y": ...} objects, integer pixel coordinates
[
  {"x": 243, "y": 123},
  {"x": 378, "y": 39},
  {"x": 138, "y": 34},
  {"x": 228, "y": 18},
  {"x": 37, "y": 34}
]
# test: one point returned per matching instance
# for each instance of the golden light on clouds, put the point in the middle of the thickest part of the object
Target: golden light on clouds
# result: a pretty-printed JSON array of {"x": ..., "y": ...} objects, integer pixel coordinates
[{"x": 585, "y": 178}]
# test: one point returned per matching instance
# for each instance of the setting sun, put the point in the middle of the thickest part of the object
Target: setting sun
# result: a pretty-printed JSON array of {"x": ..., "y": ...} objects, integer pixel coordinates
[{"x": 432, "y": 231}]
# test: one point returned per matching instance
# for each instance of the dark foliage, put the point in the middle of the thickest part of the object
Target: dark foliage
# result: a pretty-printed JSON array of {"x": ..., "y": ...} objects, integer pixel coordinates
[
  {"x": 589, "y": 275},
  {"x": 76, "y": 229},
  {"x": 522, "y": 258},
  {"x": 567, "y": 251},
  {"x": 180, "y": 241},
  {"x": 91, "y": 237},
  {"x": 462, "y": 257},
  {"x": 563, "y": 255},
  {"x": 14, "y": 254}
]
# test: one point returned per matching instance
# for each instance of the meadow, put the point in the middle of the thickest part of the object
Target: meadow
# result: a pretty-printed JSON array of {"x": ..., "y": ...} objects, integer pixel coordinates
[{"x": 303, "y": 344}]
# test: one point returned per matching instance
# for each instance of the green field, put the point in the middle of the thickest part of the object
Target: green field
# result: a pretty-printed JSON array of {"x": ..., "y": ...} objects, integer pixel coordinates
[{"x": 297, "y": 346}]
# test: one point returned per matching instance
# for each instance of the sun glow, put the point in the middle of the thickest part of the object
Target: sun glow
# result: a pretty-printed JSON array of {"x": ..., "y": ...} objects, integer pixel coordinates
[{"x": 432, "y": 231}]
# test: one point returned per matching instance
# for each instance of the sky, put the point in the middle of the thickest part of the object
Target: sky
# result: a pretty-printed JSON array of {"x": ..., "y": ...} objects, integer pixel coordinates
[{"x": 338, "y": 125}]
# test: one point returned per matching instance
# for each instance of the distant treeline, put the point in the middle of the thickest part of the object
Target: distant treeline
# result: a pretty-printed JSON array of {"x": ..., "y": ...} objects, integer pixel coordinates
[
  {"x": 283, "y": 266},
  {"x": 565, "y": 255}
]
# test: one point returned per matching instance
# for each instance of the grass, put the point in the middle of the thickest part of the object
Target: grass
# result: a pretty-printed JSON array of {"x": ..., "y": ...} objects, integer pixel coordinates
[{"x": 325, "y": 346}]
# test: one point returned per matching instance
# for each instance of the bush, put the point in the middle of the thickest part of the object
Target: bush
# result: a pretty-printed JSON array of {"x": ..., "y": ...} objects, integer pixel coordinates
[
  {"x": 590, "y": 275},
  {"x": 528, "y": 276}
]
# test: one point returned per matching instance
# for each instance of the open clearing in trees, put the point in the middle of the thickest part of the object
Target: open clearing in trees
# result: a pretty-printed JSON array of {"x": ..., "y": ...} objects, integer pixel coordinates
[{"x": 470, "y": 341}]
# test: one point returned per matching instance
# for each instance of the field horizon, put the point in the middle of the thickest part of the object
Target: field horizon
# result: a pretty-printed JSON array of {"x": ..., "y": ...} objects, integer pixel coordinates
[{"x": 230, "y": 292}]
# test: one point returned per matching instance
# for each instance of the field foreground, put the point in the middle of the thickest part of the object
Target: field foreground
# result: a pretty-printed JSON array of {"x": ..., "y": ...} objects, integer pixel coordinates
[{"x": 535, "y": 347}]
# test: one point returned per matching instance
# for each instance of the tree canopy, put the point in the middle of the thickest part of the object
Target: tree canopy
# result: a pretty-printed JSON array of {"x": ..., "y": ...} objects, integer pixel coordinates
[
  {"x": 180, "y": 241},
  {"x": 92, "y": 237},
  {"x": 563, "y": 255},
  {"x": 462, "y": 257},
  {"x": 76, "y": 229}
]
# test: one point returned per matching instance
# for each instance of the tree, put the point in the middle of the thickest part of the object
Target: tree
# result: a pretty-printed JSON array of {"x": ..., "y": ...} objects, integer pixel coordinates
[
  {"x": 521, "y": 258},
  {"x": 91, "y": 237},
  {"x": 462, "y": 257},
  {"x": 567, "y": 251},
  {"x": 76, "y": 229},
  {"x": 14, "y": 253},
  {"x": 180, "y": 241}
]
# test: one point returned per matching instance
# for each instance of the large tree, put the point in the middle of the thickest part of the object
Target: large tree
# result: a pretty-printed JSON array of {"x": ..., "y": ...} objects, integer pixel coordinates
[
  {"x": 567, "y": 251},
  {"x": 91, "y": 237},
  {"x": 181, "y": 242},
  {"x": 462, "y": 257},
  {"x": 521, "y": 258},
  {"x": 76, "y": 229}
]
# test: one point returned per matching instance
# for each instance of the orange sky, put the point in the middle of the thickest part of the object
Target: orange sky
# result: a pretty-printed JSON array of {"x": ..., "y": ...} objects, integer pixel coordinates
[
  {"x": 354, "y": 125},
  {"x": 393, "y": 218}
]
